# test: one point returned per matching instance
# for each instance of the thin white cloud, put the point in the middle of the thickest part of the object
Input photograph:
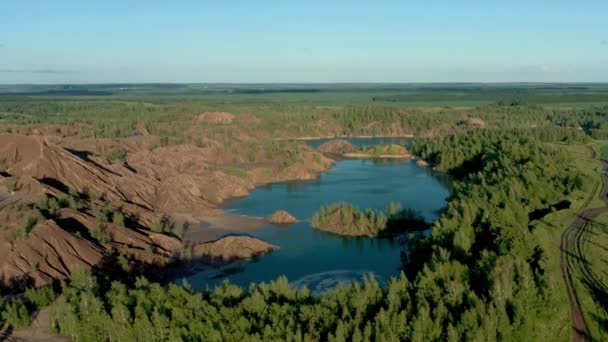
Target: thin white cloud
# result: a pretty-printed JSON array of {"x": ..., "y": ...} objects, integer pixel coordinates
[{"x": 36, "y": 71}]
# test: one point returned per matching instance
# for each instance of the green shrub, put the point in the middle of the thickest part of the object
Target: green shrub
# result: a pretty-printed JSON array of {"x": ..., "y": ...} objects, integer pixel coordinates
[
  {"x": 124, "y": 262},
  {"x": 16, "y": 315},
  {"x": 158, "y": 226},
  {"x": 102, "y": 215},
  {"x": 179, "y": 231},
  {"x": 11, "y": 185},
  {"x": 40, "y": 297},
  {"x": 52, "y": 205},
  {"x": 42, "y": 204},
  {"x": 118, "y": 154},
  {"x": 316, "y": 157},
  {"x": 99, "y": 233},
  {"x": 73, "y": 201},
  {"x": 74, "y": 193},
  {"x": 23, "y": 232},
  {"x": 118, "y": 218}
]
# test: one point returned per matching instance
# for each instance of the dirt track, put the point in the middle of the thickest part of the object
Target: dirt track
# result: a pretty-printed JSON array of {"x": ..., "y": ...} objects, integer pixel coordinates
[{"x": 573, "y": 263}]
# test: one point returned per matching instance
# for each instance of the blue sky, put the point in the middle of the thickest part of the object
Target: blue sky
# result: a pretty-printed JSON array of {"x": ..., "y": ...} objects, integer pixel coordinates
[{"x": 305, "y": 41}]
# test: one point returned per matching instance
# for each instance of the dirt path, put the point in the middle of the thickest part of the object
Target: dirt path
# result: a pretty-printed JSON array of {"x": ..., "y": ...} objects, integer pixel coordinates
[{"x": 573, "y": 262}]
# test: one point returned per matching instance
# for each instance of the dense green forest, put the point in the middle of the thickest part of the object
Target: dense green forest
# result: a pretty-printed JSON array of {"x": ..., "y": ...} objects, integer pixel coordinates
[{"x": 480, "y": 275}]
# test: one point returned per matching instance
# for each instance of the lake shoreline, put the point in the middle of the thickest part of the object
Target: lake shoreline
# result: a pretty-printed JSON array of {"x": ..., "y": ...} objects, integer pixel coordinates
[
  {"x": 305, "y": 251},
  {"x": 377, "y": 156},
  {"x": 308, "y": 138}
]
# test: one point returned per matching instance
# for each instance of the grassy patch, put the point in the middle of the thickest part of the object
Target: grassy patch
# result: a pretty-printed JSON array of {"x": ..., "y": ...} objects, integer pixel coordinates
[
  {"x": 549, "y": 232},
  {"x": 593, "y": 290}
]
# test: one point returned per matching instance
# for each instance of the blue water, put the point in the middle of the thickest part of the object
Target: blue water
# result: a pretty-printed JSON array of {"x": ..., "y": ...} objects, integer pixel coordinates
[
  {"x": 320, "y": 260},
  {"x": 359, "y": 142}
]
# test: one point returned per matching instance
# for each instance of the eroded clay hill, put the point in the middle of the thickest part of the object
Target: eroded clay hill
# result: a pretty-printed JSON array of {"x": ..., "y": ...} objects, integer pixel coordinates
[{"x": 63, "y": 208}]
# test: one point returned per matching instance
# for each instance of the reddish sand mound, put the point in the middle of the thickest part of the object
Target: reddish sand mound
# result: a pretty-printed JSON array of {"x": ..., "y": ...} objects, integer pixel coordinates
[
  {"x": 248, "y": 118},
  {"x": 35, "y": 157},
  {"x": 32, "y": 157},
  {"x": 231, "y": 248},
  {"x": 422, "y": 162},
  {"x": 216, "y": 117},
  {"x": 337, "y": 146},
  {"x": 469, "y": 122},
  {"x": 49, "y": 253},
  {"x": 281, "y": 217}
]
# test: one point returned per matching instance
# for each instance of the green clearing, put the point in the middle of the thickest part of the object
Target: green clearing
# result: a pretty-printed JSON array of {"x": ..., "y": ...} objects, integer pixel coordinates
[
  {"x": 549, "y": 232},
  {"x": 592, "y": 288},
  {"x": 595, "y": 294}
]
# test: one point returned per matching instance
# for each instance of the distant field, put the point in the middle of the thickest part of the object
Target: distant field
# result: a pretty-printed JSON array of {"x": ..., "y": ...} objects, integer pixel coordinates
[
  {"x": 114, "y": 110},
  {"x": 408, "y": 95},
  {"x": 549, "y": 231}
]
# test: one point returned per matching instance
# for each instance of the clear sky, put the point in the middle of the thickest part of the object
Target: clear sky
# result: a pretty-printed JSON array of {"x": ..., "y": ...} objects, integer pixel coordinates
[{"x": 93, "y": 41}]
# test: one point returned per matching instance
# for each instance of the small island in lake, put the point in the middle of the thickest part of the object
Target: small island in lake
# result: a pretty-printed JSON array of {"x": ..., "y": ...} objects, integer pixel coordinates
[
  {"x": 344, "y": 219},
  {"x": 281, "y": 218},
  {"x": 380, "y": 151},
  {"x": 337, "y": 146},
  {"x": 346, "y": 149}
]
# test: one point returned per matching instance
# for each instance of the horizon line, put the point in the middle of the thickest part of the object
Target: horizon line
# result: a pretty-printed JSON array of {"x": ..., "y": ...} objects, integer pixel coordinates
[{"x": 306, "y": 83}]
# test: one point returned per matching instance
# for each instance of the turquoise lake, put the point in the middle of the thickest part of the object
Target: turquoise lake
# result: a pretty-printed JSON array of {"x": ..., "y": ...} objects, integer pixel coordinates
[{"x": 319, "y": 260}]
